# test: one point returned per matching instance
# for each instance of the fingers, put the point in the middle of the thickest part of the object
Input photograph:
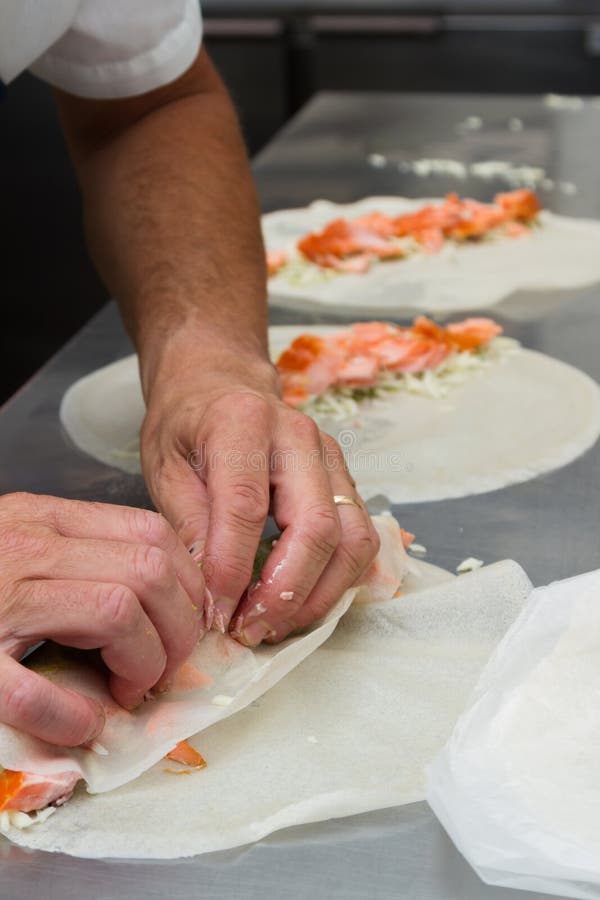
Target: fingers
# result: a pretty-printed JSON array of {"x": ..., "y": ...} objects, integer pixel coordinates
[
  {"x": 147, "y": 575},
  {"x": 356, "y": 550},
  {"x": 314, "y": 579},
  {"x": 304, "y": 508},
  {"x": 100, "y": 615},
  {"x": 237, "y": 482},
  {"x": 180, "y": 493},
  {"x": 35, "y": 705},
  {"x": 100, "y": 521}
]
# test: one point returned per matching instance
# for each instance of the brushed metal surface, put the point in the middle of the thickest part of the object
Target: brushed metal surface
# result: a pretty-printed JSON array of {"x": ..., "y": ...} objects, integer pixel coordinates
[{"x": 548, "y": 524}]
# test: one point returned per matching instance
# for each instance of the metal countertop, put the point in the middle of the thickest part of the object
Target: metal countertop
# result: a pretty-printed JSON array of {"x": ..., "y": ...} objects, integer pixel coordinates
[
  {"x": 420, "y": 7},
  {"x": 549, "y": 524}
]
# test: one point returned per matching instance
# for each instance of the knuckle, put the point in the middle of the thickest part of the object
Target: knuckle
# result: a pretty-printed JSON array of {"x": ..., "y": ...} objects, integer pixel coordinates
[
  {"x": 190, "y": 524},
  {"x": 248, "y": 503},
  {"x": 331, "y": 445},
  {"x": 235, "y": 570},
  {"x": 357, "y": 548},
  {"x": 322, "y": 530},
  {"x": 120, "y": 609},
  {"x": 21, "y": 701},
  {"x": 152, "y": 529},
  {"x": 152, "y": 565},
  {"x": 306, "y": 429},
  {"x": 25, "y": 499},
  {"x": 22, "y": 540},
  {"x": 250, "y": 404}
]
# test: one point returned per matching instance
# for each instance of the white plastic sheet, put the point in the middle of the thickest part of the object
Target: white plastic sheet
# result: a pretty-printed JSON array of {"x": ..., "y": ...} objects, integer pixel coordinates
[{"x": 517, "y": 787}]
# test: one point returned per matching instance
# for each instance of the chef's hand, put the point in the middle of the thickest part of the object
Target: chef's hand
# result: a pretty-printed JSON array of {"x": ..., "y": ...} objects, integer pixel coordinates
[
  {"x": 90, "y": 575},
  {"x": 220, "y": 450}
]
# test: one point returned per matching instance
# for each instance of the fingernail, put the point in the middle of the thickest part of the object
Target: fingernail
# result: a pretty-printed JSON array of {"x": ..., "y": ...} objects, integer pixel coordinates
[
  {"x": 99, "y": 724},
  {"x": 223, "y": 609},
  {"x": 98, "y": 748},
  {"x": 209, "y": 609},
  {"x": 163, "y": 686},
  {"x": 196, "y": 551},
  {"x": 135, "y": 702},
  {"x": 252, "y": 635}
]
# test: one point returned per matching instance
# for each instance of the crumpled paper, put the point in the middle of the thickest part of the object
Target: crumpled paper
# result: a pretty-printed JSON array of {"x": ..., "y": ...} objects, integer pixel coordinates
[
  {"x": 517, "y": 787},
  {"x": 348, "y": 730}
]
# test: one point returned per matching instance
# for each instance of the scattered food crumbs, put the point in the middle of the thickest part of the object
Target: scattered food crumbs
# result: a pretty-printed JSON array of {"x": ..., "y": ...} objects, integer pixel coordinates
[
  {"x": 97, "y": 747},
  {"x": 177, "y": 771},
  {"x": 515, "y": 125},
  {"x": 467, "y": 565},
  {"x": 471, "y": 123},
  {"x": 516, "y": 176},
  {"x": 312, "y": 739},
  {"x": 221, "y": 700},
  {"x": 273, "y": 542},
  {"x": 567, "y": 187},
  {"x": 419, "y": 549},
  {"x": 286, "y": 595},
  {"x": 425, "y": 167},
  {"x": 563, "y": 101},
  {"x": 260, "y": 608},
  {"x": 377, "y": 160}
]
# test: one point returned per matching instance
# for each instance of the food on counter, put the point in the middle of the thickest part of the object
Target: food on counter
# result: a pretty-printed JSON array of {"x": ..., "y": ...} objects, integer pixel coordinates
[
  {"x": 369, "y": 358},
  {"x": 184, "y": 753},
  {"x": 276, "y": 260},
  {"x": 352, "y": 245},
  {"x": 27, "y": 792}
]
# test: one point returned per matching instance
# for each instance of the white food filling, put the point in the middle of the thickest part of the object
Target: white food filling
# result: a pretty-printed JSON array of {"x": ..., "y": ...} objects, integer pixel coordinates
[
  {"x": 563, "y": 101},
  {"x": 467, "y": 565},
  {"x": 12, "y": 818},
  {"x": 221, "y": 700},
  {"x": 418, "y": 549}
]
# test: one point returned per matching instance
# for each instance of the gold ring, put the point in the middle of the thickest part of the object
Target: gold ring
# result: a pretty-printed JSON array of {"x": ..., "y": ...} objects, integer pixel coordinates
[{"x": 344, "y": 500}]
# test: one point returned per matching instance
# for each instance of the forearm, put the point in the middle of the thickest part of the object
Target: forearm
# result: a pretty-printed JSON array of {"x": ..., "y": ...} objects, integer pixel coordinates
[{"x": 172, "y": 223}]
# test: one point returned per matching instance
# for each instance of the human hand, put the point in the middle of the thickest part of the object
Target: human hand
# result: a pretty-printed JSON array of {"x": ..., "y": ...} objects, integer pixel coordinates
[
  {"x": 90, "y": 575},
  {"x": 219, "y": 451}
]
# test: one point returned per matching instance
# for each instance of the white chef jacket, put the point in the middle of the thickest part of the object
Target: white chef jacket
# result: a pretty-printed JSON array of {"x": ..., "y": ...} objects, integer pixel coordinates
[{"x": 99, "y": 48}]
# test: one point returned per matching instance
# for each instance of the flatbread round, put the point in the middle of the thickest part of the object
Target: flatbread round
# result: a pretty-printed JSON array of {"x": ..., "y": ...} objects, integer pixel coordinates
[
  {"x": 520, "y": 417},
  {"x": 558, "y": 254},
  {"x": 349, "y": 730}
]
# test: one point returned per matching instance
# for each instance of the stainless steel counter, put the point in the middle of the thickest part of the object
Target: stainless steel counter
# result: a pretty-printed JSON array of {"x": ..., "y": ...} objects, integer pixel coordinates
[{"x": 549, "y": 524}]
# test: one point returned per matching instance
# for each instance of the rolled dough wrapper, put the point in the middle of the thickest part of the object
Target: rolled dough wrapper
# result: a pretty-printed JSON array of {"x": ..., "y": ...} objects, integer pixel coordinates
[
  {"x": 522, "y": 415},
  {"x": 558, "y": 254},
  {"x": 221, "y": 678},
  {"x": 349, "y": 730}
]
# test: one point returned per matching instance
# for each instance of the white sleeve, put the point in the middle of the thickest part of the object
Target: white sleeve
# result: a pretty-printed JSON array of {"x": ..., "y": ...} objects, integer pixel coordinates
[{"x": 120, "y": 48}]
